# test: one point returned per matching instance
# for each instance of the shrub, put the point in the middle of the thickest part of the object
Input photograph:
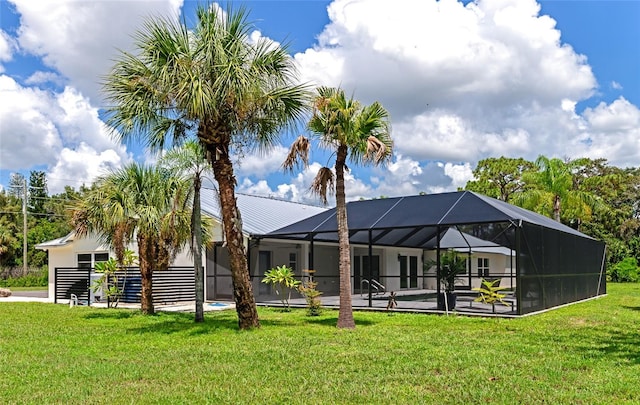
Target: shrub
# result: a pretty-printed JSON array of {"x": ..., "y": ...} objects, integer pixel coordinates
[
  {"x": 624, "y": 271},
  {"x": 284, "y": 280},
  {"x": 38, "y": 278},
  {"x": 311, "y": 295},
  {"x": 490, "y": 293}
]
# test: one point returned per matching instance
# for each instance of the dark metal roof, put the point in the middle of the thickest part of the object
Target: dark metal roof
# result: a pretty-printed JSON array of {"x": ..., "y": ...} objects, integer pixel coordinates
[{"x": 414, "y": 220}]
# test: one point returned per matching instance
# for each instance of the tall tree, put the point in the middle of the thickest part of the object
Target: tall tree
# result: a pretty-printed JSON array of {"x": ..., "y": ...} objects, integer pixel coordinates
[
  {"x": 551, "y": 189},
  {"x": 232, "y": 91},
  {"x": 16, "y": 185},
  {"x": 38, "y": 192},
  {"x": 142, "y": 203},
  {"x": 189, "y": 161},
  {"x": 499, "y": 177},
  {"x": 355, "y": 132}
]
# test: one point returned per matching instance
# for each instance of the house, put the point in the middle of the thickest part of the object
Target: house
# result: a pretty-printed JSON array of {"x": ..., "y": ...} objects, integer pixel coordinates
[
  {"x": 70, "y": 254},
  {"x": 394, "y": 243}
]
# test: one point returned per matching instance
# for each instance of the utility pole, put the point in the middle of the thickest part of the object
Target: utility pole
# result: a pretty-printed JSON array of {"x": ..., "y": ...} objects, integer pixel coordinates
[{"x": 24, "y": 227}]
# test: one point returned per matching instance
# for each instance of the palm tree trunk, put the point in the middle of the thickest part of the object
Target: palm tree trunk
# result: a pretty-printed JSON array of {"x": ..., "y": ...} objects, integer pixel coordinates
[
  {"x": 242, "y": 289},
  {"x": 145, "y": 247},
  {"x": 345, "y": 314},
  {"x": 196, "y": 249},
  {"x": 556, "y": 208}
]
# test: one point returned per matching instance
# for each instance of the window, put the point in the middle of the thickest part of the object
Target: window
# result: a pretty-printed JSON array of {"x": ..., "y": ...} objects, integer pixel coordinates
[
  {"x": 293, "y": 261},
  {"x": 89, "y": 260},
  {"x": 85, "y": 260},
  {"x": 483, "y": 267}
]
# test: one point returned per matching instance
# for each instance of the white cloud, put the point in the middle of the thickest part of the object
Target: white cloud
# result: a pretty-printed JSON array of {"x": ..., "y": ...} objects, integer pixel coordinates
[
  {"x": 81, "y": 165},
  {"x": 613, "y": 131},
  {"x": 40, "y": 77},
  {"x": 7, "y": 47},
  {"x": 616, "y": 85},
  {"x": 446, "y": 55},
  {"x": 27, "y": 133},
  {"x": 282, "y": 191},
  {"x": 297, "y": 190},
  {"x": 460, "y": 174},
  {"x": 617, "y": 116},
  {"x": 60, "y": 131},
  {"x": 80, "y": 38},
  {"x": 259, "y": 163},
  {"x": 404, "y": 167},
  {"x": 492, "y": 78}
]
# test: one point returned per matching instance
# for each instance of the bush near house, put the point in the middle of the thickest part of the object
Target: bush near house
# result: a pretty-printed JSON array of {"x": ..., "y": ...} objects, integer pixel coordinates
[
  {"x": 35, "y": 278},
  {"x": 625, "y": 271}
]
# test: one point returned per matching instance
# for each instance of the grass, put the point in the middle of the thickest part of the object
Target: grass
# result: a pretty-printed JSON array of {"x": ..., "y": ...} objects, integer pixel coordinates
[{"x": 587, "y": 353}]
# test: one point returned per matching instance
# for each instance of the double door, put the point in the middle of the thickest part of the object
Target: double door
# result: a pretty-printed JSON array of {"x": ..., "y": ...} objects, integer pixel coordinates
[{"x": 408, "y": 272}]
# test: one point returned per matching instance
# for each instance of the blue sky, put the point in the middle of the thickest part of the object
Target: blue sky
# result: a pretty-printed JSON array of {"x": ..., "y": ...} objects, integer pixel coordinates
[{"x": 462, "y": 81}]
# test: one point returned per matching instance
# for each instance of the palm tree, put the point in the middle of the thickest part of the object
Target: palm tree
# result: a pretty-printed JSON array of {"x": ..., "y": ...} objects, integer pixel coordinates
[
  {"x": 550, "y": 190},
  {"x": 142, "y": 203},
  {"x": 360, "y": 133},
  {"x": 232, "y": 92},
  {"x": 189, "y": 161}
]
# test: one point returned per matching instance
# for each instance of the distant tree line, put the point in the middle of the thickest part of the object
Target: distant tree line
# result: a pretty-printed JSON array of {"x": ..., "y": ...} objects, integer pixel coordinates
[
  {"x": 598, "y": 199},
  {"x": 47, "y": 217}
]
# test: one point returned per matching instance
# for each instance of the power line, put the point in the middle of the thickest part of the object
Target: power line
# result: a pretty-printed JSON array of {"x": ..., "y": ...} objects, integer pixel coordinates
[{"x": 33, "y": 213}]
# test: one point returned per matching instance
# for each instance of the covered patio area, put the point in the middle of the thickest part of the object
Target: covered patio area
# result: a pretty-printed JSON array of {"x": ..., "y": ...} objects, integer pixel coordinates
[{"x": 543, "y": 263}]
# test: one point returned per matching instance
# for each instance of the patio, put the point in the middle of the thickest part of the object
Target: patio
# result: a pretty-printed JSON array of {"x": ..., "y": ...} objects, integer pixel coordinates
[{"x": 422, "y": 300}]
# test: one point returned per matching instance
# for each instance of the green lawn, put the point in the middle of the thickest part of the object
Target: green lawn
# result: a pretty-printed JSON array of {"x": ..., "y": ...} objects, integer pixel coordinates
[{"x": 582, "y": 354}]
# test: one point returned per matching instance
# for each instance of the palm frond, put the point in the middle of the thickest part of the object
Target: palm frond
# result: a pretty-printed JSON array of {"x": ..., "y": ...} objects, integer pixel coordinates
[
  {"x": 298, "y": 152},
  {"x": 376, "y": 149},
  {"x": 323, "y": 184}
]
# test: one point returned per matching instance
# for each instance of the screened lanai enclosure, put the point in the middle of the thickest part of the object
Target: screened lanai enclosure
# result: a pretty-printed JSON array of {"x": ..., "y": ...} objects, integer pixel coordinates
[{"x": 398, "y": 244}]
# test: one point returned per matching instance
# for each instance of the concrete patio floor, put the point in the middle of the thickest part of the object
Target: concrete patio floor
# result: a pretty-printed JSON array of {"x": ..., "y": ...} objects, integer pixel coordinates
[{"x": 409, "y": 301}]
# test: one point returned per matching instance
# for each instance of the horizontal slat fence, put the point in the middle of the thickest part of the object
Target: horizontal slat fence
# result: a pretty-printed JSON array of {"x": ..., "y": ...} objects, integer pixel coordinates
[
  {"x": 72, "y": 281},
  {"x": 177, "y": 284}
]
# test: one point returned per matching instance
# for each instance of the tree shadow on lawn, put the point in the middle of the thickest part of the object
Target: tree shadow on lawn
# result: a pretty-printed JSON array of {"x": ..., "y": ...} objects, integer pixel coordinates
[
  {"x": 180, "y": 322},
  {"x": 333, "y": 321},
  {"x": 631, "y": 308},
  {"x": 609, "y": 342},
  {"x": 110, "y": 315}
]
